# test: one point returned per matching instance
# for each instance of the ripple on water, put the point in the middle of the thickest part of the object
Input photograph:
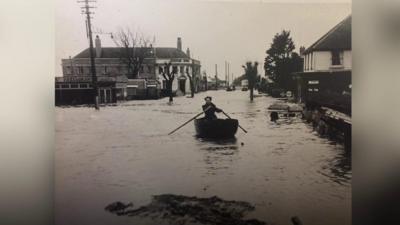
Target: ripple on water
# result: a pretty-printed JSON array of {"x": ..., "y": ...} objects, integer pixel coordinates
[{"x": 127, "y": 149}]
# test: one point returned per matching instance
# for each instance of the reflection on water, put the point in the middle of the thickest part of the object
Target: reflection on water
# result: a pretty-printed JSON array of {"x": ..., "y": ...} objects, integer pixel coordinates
[
  {"x": 216, "y": 141},
  {"x": 340, "y": 168},
  {"x": 219, "y": 154},
  {"x": 125, "y": 153}
]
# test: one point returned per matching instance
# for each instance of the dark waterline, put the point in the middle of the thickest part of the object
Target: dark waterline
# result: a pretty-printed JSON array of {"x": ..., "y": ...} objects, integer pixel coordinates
[{"x": 123, "y": 153}]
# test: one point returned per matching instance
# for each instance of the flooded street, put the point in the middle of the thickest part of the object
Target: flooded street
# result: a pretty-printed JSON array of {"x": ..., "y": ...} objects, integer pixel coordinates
[{"x": 123, "y": 153}]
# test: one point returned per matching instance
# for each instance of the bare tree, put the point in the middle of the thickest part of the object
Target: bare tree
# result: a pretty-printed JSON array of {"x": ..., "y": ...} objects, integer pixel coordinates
[
  {"x": 134, "y": 48},
  {"x": 169, "y": 75},
  {"x": 191, "y": 81}
]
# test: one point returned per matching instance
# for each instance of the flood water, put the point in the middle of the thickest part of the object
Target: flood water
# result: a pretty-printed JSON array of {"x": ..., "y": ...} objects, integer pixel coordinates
[{"x": 123, "y": 153}]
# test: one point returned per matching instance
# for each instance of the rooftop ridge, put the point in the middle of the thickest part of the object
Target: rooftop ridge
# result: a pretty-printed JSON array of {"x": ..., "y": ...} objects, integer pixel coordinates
[{"x": 327, "y": 34}]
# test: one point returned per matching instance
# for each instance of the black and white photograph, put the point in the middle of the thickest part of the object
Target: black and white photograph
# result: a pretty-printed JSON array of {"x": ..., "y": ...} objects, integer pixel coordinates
[
  {"x": 202, "y": 112},
  {"x": 199, "y": 112}
]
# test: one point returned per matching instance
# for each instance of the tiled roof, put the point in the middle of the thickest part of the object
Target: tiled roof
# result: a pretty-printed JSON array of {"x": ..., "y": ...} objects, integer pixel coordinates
[
  {"x": 338, "y": 38},
  {"x": 115, "y": 52}
]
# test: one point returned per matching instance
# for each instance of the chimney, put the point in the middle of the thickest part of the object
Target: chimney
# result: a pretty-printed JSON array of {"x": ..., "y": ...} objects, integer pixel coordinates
[
  {"x": 179, "y": 45},
  {"x": 302, "y": 49},
  {"x": 98, "y": 46},
  {"x": 188, "y": 52}
]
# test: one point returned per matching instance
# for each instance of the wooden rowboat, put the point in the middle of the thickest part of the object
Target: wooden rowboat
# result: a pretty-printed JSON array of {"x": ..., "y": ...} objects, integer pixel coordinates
[{"x": 218, "y": 128}]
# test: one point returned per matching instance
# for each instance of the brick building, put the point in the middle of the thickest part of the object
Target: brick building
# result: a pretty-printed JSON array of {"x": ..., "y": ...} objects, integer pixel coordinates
[{"x": 120, "y": 85}]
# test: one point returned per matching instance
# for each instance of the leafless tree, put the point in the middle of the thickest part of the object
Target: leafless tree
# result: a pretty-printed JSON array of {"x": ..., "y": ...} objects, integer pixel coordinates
[
  {"x": 134, "y": 48},
  {"x": 168, "y": 72}
]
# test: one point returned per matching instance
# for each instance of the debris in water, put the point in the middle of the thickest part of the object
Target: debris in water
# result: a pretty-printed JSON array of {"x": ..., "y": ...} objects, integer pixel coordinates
[
  {"x": 178, "y": 209},
  {"x": 296, "y": 221},
  {"x": 118, "y": 207},
  {"x": 274, "y": 116}
]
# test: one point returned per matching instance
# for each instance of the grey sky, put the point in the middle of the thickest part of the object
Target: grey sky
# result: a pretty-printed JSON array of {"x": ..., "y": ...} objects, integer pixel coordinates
[{"x": 214, "y": 31}]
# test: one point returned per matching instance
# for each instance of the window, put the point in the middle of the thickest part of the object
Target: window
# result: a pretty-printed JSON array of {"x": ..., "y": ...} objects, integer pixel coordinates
[
  {"x": 68, "y": 70},
  {"x": 160, "y": 70},
  {"x": 337, "y": 57},
  {"x": 83, "y": 85},
  {"x": 65, "y": 86},
  {"x": 141, "y": 69},
  {"x": 174, "y": 69},
  {"x": 74, "y": 85},
  {"x": 80, "y": 70},
  {"x": 105, "y": 70}
]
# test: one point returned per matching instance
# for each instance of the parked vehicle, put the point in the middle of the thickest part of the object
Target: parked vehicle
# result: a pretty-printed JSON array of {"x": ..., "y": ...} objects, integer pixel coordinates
[{"x": 245, "y": 85}]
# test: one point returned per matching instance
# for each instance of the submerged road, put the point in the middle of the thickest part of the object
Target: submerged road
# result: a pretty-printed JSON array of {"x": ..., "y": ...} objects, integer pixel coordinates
[{"x": 123, "y": 153}]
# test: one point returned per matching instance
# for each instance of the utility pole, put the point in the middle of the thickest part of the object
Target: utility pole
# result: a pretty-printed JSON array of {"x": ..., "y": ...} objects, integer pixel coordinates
[
  {"x": 86, "y": 10},
  {"x": 225, "y": 72},
  {"x": 228, "y": 74},
  {"x": 216, "y": 77}
]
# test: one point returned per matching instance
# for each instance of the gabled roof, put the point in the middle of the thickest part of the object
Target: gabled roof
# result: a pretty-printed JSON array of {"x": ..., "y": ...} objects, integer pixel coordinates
[
  {"x": 338, "y": 38},
  {"x": 116, "y": 52}
]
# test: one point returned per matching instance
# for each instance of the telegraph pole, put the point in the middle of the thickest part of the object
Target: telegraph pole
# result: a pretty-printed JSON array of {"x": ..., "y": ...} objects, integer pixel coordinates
[
  {"x": 86, "y": 10},
  {"x": 225, "y": 73},
  {"x": 228, "y": 73},
  {"x": 216, "y": 77}
]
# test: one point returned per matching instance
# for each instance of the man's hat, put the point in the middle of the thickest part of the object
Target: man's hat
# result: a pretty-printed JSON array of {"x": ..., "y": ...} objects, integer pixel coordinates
[{"x": 208, "y": 97}]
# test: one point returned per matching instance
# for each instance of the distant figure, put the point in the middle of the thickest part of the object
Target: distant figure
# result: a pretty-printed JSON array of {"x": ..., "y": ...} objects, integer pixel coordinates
[
  {"x": 209, "y": 109},
  {"x": 274, "y": 116}
]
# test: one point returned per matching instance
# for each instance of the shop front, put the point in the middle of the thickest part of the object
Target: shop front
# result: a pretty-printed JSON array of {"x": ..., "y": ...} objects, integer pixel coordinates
[{"x": 78, "y": 90}]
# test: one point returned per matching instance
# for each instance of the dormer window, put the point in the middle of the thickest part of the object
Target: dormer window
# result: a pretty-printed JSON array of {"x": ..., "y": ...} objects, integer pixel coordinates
[{"x": 337, "y": 58}]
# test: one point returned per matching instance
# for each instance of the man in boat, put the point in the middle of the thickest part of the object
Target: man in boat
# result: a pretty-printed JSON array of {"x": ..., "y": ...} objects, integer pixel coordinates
[{"x": 209, "y": 109}]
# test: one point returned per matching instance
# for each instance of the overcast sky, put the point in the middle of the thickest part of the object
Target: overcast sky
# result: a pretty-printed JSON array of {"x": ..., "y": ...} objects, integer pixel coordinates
[{"x": 215, "y": 31}]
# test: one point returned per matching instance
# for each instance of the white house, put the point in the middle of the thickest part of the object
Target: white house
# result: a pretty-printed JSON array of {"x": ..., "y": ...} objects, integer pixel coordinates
[
  {"x": 326, "y": 76},
  {"x": 332, "y": 52}
]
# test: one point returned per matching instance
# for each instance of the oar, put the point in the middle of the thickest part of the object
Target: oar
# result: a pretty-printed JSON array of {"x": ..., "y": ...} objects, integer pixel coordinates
[
  {"x": 189, "y": 120},
  {"x": 231, "y": 118}
]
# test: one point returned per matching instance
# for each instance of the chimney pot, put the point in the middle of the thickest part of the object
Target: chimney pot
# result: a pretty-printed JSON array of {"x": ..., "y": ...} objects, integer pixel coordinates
[
  {"x": 98, "y": 46},
  {"x": 179, "y": 44},
  {"x": 188, "y": 52}
]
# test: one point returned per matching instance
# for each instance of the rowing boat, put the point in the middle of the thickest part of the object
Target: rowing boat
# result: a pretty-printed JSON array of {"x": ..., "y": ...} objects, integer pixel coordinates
[{"x": 216, "y": 128}]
